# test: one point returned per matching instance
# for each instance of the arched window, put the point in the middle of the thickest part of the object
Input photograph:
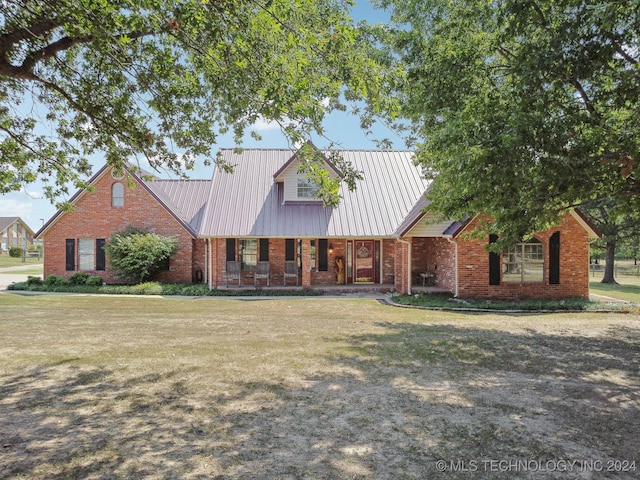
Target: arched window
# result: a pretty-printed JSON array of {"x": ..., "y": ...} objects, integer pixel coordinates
[
  {"x": 524, "y": 262},
  {"x": 117, "y": 195}
]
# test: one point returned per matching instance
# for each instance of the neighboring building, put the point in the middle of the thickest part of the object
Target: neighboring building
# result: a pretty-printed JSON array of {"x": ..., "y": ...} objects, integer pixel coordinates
[
  {"x": 14, "y": 232},
  {"x": 262, "y": 226}
]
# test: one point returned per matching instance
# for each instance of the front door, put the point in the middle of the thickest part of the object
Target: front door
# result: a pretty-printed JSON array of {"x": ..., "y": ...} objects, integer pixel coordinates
[{"x": 364, "y": 263}]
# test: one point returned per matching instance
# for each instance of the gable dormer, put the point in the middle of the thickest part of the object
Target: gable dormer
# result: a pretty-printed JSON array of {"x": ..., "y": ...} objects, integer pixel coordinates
[{"x": 296, "y": 186}]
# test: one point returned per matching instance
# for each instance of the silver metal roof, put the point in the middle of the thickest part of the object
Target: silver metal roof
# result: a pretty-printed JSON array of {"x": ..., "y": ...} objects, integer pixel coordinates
[
  {"x": 186, "y": 198},
  {"x": 249, "y": 203}
]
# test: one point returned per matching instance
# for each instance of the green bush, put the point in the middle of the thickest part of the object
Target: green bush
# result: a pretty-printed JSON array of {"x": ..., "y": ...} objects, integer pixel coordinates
[
  {"x": 148, "y": 288},
  {"x": 137, "y": 254},
  {"x": 94, "y": 281},
  {"x": 78, "y": 278},
  {"x": 15, "y": 252},
  {"x": 31, "y": 280},
  {"x": 52, "y": 280}
]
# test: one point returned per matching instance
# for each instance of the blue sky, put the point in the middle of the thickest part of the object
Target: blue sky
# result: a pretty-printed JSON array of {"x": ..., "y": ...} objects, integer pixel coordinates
[{"x": 341, "y": 128}]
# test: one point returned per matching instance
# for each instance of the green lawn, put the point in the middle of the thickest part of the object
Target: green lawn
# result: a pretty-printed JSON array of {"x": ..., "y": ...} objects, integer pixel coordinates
[
  {"x": 158, "y": 388},
  {"x": 7, "y": 261},
  {"x": 628, "y": 287}
]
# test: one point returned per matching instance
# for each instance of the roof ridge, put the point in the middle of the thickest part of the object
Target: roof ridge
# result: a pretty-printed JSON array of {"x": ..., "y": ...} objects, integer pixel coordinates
[{"x": 276, "y": 149}]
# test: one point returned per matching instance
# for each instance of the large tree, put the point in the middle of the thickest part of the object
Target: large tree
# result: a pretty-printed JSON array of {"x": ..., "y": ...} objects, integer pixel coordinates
[
  {"x": 161, "y": 78},
  {"x": 521, "y": 108},
  {"x": 618, "y": 224}
]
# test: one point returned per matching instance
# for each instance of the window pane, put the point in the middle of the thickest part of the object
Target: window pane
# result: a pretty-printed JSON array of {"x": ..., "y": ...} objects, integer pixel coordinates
[
  {"x": 249, "y": 253},
  {"x": 523, "y": 262},
  {"x": 533, "y": 263},
  {"x": 86, "y": 254},
  {"x": 117, "y": 195},
  {"x": 312, "y": 253},
  {"x": 306, "y": 189}
]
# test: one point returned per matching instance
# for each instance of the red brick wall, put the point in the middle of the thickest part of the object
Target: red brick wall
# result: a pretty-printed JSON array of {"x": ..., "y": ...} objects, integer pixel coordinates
[
  {"x": 401, "y": 267},
  {"x": 436, "y": 255},
  {"x": 94, "y": 217},
  {"x": 473, "y": 268},
  {"x": 388, "y": 261}
]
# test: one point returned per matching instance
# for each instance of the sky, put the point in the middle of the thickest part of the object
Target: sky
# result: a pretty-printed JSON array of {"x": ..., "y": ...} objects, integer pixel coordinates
[{"x": 341, "y": 128}]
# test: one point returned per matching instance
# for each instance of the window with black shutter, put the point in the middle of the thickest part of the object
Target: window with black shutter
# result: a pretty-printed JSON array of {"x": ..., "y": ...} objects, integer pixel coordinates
[
  {"x": 554, "y": 259},
  {"x": 264, "y": 249},
  {"x": 100, "y": 257},
  {"x": 323, "y": 257},
  {"x": 494, "y": 263},
  {"x": 70, "y": 254},
  {"x": 165, "y": 264},
  {"x": 289, "y": 249},
  {"x": 231, "y": 249}
]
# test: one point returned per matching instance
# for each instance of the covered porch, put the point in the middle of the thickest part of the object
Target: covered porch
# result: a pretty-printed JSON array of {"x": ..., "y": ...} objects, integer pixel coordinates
[{"x": 347, "y": 265}]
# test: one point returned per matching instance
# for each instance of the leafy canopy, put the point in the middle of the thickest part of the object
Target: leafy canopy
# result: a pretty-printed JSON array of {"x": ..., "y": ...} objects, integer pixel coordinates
[
  {"x": 137, "y": 254},
  {"x": 158, "y": 79},
  {"x": 520, "y": 109}
]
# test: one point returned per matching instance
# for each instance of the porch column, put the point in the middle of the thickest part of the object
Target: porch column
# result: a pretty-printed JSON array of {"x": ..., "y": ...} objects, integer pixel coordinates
[
  {"x": 306, "y": 263},
  {"x": 403, "y": 266}
]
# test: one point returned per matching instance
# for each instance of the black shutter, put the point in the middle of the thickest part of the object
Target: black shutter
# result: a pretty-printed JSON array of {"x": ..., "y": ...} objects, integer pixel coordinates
[
  {"x": 289, "y": 250},
  {"x": 494, "y": 263},
  {"x": 71, "y": 254},
  {"x": 100, "y": 257},
  {"x": 554, "y": 259},
  {"x": 264, "y": 249},
  {"x": 164, "y": 264},
  {"x": 231, "y": 249},
  {"x": 323, "y": 258}
]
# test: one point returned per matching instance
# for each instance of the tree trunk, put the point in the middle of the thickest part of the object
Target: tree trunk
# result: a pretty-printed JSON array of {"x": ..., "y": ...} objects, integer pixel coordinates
[{"x": 609, "y": 263}]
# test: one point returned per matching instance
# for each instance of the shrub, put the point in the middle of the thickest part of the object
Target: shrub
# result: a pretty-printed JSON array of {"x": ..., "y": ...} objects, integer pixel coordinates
[
  {"x": 15, "y": 252},
  {"x": 78, "y": 278},
  {"x": 94, "y": 281},
  {"x": 31, "y": 280},
  {"x": 137, "y": 254},
  {"x": 148, "y": 288},
  {"x": 55, "y": 280}
]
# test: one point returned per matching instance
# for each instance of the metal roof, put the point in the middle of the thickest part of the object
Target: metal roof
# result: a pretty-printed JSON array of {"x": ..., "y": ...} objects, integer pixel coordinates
[
  {"x": 186, "y": 198},
  {"x": 249, "y": 203}
]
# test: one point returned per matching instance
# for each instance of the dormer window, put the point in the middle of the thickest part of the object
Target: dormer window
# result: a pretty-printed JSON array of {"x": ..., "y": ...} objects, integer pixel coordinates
[{"x": 306, "y": 189}]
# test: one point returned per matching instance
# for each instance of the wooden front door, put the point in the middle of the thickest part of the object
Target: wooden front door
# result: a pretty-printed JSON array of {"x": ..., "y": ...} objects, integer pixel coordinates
[{"x": 364, "y": 261}]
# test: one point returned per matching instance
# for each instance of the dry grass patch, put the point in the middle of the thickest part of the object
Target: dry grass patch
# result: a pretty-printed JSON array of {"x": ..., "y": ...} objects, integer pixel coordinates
[{"x": 115, "y": 387}]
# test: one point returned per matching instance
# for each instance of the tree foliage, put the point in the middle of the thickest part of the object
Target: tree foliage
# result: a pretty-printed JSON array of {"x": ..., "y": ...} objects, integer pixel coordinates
[
  {"x": 137, "y": 254},
  {"x": 619, "y": 225},
  {"x": 521, "y": 109},
  {"x": 159, "y": 79}
]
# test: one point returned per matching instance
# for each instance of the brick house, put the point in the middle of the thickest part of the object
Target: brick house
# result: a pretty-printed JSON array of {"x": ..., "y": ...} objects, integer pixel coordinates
[
  {"x": 14, "y": 232},
  {"x": 262, "y": 226}
]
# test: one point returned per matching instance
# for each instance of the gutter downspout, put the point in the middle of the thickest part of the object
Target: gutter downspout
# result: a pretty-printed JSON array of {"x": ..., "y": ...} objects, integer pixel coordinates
[
  {"x": 455, "y": 246},
  {"x": 206, "y": 261},
  {"x": 210, "y": 272},
  {"x": 406, "y": 242}
]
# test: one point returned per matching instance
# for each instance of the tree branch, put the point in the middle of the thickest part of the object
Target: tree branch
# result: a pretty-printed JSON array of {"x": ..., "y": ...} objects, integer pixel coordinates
[
  {"x": 8, "y": 40},
  {"x": 618, "y": 48},
  {"x": 540, "y": 13},
  {"x": 583, "y": 94}
]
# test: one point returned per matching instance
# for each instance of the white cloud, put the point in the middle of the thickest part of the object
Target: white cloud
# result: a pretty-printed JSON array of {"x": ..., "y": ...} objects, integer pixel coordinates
[
  {"x": 262, "y": 125},
  {"x": 12, "y": 207}
]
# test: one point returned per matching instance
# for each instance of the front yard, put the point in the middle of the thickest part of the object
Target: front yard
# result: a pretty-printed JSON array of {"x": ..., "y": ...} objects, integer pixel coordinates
[{"x": 122, "y": 387}]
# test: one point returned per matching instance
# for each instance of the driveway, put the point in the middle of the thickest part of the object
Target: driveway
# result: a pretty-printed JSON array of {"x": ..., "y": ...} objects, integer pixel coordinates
[{"x": 11, "y": 275}]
